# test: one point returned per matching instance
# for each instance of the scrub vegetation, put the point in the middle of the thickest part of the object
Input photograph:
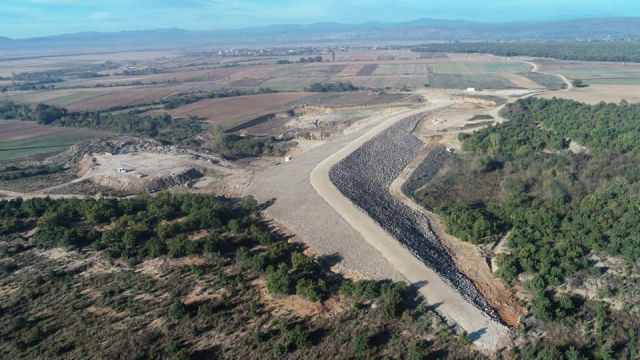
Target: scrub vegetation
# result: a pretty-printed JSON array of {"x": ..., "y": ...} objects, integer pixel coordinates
[
  {"x": 235, "y": 290},
  {"x": 559, "y": 206}
]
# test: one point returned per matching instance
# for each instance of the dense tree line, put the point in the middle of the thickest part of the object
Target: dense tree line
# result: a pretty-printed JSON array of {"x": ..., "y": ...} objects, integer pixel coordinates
[
  {"x": 331, "y": 87},
  {"x": 184, "y": 99},
  {"x": 46, "y": 77},
  {"x": 310, "y": 59},
  {"x": 559, "y": 205},
  {"x": 162, "y": 127},
  {"x": 616, "y": 51},
  {"x": 14, "y": 172}
]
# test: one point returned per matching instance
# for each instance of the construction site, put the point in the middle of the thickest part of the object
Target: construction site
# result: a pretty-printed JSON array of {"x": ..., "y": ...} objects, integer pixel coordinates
[{"x": 342, "y": 177}]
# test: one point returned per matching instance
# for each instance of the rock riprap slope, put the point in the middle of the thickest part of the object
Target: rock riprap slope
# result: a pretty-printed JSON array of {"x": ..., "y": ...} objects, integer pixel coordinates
[{"x": 365, "y": 176}]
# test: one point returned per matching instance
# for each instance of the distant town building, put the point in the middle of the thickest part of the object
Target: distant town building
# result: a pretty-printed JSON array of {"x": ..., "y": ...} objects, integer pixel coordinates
[{"x": 471, "y": 89}]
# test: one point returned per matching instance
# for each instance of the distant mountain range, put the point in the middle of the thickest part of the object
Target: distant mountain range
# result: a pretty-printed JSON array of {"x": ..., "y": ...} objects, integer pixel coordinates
[{"x": 421, "y": 30}]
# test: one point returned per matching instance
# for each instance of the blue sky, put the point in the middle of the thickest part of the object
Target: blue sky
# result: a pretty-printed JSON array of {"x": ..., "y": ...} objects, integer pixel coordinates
[{"x": 27, "y": 18}]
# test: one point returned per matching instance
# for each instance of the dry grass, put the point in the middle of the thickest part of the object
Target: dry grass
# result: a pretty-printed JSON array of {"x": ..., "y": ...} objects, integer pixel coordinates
[{"x": 594, "y": 94}]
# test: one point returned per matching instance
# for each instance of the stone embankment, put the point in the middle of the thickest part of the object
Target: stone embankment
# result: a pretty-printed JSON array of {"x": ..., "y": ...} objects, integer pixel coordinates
[{"x": 365, "y": 176}]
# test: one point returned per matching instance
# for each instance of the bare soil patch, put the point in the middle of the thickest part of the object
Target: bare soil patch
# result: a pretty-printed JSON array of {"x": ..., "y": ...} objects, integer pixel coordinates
[
  {"x": 225, "y": 110},
  {"x": 12, "y": 130},
  {"x": 143, "y": 171},
  {"x": 125, "y": 96},
  {"x": 367, "y": 70},
  {"x": 350, "y": 70},
  {"x": 295, "y": 304}
]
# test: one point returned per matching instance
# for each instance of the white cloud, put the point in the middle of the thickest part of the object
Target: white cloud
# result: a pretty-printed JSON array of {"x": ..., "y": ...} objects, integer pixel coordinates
[{"x": 99, "y": 15}]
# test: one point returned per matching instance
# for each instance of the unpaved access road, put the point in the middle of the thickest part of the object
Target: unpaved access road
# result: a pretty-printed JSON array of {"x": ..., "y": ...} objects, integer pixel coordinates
[
  {"x": 534, "y": 68},
  {"x": 484, "y": 331},
  {"x": 299, "y": 208}
]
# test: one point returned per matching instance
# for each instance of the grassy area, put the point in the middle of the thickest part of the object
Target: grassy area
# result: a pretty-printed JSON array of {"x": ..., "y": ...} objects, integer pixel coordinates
[
  {"x": 41, "y": 142},
  {"x": 513, "y": 67},
  {"x": 480, "y": 67},
  {"x": 613, "y": 81},
  {"x": 601, "y": 74},
  {"x": 549, "y": 81},
  {"x": 461, "y": 81}
]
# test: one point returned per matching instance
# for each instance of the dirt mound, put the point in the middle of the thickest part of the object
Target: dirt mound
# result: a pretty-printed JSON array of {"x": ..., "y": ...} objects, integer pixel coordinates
[
  {"x": 177, "y": 178},
  {"x": 116, "y": 145},
  {"x": 141, "y": 172},
  {"x": 135, "y": 185}
]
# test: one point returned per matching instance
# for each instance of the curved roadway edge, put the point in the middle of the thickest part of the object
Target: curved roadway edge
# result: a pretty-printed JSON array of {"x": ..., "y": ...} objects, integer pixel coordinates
[
  {"x": 496, "y": 112},
  {"x": 485, "y": 332}
]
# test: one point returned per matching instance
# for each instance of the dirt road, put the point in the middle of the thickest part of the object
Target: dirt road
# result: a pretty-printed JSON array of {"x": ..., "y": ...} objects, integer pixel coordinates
[
  {"x": 485, "y": 332},
  {"x": 296, "y": 205},
  {"x": 534, "y": 68}
]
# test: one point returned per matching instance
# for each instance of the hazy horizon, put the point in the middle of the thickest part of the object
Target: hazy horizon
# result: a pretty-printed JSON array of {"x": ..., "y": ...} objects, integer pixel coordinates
[{"x": 34, "y": 18}]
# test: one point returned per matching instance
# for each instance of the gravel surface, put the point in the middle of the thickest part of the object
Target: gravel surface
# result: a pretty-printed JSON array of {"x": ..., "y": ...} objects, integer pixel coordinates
[
  {"x": 365, "y": 176},
  {"x": 298, "y": 207}
]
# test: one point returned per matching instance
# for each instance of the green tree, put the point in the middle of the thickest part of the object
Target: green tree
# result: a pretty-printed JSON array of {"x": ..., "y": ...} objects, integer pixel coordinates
[{"x": 279, "y": 280}]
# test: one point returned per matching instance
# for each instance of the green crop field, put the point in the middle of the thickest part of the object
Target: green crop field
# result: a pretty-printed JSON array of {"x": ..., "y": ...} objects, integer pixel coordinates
[
  {"x": 513, "y": 67},
  {"x": 402, "y": 69},
  {"x": 23, "y": 138},
  {"x": 462, "y": 81}
]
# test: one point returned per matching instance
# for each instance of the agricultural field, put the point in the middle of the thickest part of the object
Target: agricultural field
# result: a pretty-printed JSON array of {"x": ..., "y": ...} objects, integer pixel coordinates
[
  {"x": 165, "y": 74},
  {"x": 596, "y": 93},
  {"x": 594, "y": 73},
  {"x": 24, "y": 138},
  {"x": 95, "y": 99},
  {"x": 232, "y": 111}
]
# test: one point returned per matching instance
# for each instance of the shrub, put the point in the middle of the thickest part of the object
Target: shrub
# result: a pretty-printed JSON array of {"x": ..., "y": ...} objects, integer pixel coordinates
[
  {"x": 302, "y": 263},
  {"x": 296, "y": 339},
  {"x": 279, "y": 280},
  {"x": 361, "y": 343},
  {"x": 391, "y": 298},
  {"x": 308, "y": 289},
  {"x": 178, "y": 310}
]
